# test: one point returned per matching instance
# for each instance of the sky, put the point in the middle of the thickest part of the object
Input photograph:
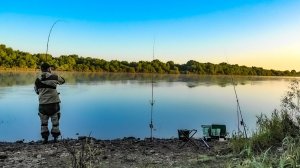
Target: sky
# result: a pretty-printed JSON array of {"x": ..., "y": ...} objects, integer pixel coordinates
[{"x": 263, "y": 33}]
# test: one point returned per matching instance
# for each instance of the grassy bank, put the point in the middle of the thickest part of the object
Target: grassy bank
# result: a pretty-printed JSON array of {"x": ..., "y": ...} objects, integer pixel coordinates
[{"x": 276, "y": 142}]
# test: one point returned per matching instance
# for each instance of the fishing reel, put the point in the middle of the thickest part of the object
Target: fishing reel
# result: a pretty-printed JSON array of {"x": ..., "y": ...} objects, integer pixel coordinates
[
  {"x": 152, "y": 102},
  {"x": 151, "y": 125},
  {"x": 242, "y": 123}
]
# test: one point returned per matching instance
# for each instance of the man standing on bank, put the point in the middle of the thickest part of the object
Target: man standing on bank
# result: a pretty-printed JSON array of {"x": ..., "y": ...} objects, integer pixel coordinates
[{"x": 49, "y": 102}]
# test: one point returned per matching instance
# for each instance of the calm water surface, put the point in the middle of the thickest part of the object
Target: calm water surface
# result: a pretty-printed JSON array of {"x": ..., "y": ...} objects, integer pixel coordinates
[{"x": 113, "y": 106}]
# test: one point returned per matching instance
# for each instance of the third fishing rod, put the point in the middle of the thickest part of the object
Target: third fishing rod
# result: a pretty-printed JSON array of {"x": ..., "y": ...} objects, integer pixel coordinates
[{"x": 239, "y": 111}]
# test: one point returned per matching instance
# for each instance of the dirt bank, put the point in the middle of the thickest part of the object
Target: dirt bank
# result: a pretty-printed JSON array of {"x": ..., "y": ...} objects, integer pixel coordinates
[{"x": 127, "y": 152}]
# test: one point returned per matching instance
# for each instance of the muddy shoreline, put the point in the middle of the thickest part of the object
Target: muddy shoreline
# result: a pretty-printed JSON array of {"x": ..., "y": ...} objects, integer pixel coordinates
[{"x": 126, "y": 152}]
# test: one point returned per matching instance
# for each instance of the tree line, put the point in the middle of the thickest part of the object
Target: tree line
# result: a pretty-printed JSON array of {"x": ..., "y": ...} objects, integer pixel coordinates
[{"x": 10, "y": 58}]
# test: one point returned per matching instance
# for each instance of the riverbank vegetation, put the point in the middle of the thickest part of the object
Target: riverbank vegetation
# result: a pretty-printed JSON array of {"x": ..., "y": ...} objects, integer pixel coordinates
[
  {"x": 276, "y": 142},
  {"x": 17, "y": 60}
]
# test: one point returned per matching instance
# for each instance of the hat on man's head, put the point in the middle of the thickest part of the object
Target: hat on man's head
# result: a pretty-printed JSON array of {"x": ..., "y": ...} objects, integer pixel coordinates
[{"x": 45, "y": 66}]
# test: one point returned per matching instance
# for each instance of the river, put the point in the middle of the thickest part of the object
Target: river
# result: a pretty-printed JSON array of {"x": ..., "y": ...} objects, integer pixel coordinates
[{"x": 109, "y": 106}]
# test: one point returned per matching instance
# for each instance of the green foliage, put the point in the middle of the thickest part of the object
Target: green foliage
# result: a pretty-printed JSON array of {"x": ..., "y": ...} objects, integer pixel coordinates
[
  {"x": 256, "y": 161},
  {"x": 276, "y": 143},
  {"x": 287, "y": 155},
  {"x": 238, "y": 143},
  {"x": 10, "y": 58},
  {"x": 291, "y": 155},
  {"x": 270, "y": 131},
  {"x": 282, "y": 123}
]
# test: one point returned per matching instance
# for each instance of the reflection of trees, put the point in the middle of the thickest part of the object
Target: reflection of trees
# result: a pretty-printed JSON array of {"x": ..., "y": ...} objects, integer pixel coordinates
[
  {"x": 223, "y": 81},
  {"x": 13, "y": 78},
  {"x": 28, "y": 78}
]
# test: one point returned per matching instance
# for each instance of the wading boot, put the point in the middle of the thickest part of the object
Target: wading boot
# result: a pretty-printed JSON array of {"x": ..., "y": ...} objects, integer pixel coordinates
[
  {"x": 55, "y": 140},
  {"x": 45, "y": 141}
]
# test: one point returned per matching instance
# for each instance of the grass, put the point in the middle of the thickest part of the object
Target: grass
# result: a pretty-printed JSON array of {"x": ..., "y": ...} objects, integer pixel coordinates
[
  {"x": 276, "y": 143},
  {"x": 86, "y": 156}
]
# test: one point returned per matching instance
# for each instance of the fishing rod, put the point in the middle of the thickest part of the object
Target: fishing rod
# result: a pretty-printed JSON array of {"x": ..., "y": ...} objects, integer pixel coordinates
[
  {"x": 49, "y": 36},
  {"x": 152, "y": 99},
  {"x": 239, "y": 111}
]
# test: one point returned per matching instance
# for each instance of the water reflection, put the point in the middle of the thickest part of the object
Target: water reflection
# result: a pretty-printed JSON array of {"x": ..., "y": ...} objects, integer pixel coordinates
[
  {"x": 117, "y": 105},
  {"x": 8, "y": 79}
]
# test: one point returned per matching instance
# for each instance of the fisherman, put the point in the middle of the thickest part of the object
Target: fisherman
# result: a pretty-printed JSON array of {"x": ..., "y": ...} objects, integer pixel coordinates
[{"x": 49, "y": 102}]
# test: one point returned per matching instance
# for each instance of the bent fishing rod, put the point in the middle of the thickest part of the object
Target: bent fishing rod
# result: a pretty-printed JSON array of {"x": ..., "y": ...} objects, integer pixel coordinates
[
  {"x": 239, "y": 111},
  {"x": 49, "y": 37}
]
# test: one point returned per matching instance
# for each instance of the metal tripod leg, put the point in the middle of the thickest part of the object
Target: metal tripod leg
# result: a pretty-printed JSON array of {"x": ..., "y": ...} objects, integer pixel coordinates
[{"x": 205, "y": 143}]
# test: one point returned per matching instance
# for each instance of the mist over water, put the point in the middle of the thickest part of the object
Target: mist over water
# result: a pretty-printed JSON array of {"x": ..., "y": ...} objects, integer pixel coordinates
[{"x": 113, "y": 106}]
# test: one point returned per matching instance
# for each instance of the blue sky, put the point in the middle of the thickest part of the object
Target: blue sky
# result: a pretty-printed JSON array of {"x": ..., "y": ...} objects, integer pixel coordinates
[{"x": 257, "y": 32}]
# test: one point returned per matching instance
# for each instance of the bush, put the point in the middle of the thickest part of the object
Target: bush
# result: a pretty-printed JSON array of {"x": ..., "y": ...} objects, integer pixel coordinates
[
  {"x": 276, "y": 142},
  {"x": 238, "y": 143},
  {"x": 282, "y": 123}
]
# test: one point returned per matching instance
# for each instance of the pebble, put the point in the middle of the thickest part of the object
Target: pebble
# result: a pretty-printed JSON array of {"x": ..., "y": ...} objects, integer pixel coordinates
[
  {"x": 152, "y": 151},
  {"x": 3, "y": 155},
  {"x": 44, "y": 162},
  {"x": 64, "y": 155}
]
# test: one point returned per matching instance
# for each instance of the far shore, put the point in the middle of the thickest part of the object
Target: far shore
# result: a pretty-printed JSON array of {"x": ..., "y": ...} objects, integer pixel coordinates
[
  {"x": 16, "y": 69},
  {"x": 2, "y": 69}
]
